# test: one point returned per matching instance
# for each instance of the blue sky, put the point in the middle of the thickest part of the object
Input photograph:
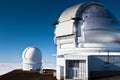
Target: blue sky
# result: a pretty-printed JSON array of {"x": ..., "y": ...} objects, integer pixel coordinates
[{"x": 26, "y": 23}]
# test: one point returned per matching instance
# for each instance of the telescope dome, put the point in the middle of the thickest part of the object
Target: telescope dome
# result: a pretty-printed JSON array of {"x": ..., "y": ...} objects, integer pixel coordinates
[
  {"x": 32, "y": 53},
  {"x": 32, "y": 58},
  {"x": 89, "y": 20}
]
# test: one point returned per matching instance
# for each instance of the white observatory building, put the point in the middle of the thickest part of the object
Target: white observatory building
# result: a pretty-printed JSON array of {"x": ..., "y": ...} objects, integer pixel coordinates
[
  {"x": 87, "y": 36},
  {"x": 32, "y": 59}
]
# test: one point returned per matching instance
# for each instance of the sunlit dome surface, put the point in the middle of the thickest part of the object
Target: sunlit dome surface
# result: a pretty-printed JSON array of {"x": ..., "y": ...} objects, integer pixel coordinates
[
  {"x": 32, "y": 53},
  {"x": 92, "y": 21},
  {"x": 89, "y": 9}
]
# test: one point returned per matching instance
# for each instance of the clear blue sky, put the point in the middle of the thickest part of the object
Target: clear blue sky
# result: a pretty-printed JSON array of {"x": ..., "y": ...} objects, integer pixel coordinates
[{"x": 26, "y": 23}]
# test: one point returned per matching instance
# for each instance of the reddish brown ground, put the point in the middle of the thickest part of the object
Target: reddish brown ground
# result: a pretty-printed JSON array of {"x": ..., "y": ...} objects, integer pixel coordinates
[
  {"x": 47, "y": 75},
  {"x": 28, "y": 75}
]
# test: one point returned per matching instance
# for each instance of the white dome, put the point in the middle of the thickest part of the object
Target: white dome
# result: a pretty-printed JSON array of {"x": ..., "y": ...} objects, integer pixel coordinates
[
  {"x": 32, "y": 53},
  {"x": 32, "y": 59}
]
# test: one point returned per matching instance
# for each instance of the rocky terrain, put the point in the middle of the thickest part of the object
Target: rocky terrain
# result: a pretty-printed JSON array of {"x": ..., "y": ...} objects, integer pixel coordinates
[
  {"x": 47, "y": 74},
  {"x": 29, "y": 75}
]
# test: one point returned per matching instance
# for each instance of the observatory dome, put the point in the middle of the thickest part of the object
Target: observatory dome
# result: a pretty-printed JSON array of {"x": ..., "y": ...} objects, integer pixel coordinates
[
  {"x": 89, "y": 20},
  {"x": 32, "y": 53},
  {"x": 89, "y": 9},
  {"x": 32, "y": 58}
]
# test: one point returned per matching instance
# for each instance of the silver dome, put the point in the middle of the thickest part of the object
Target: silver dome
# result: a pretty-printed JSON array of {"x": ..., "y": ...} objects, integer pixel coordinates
[
  {"x": 93, "y": 22},
  {"x": 100, "y": 25}
]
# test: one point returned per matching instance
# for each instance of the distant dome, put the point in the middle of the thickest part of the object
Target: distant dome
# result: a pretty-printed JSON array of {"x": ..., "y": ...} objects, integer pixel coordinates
[
  {"x": 32, "y": 53},
  {"x": 32, "y": 58}
]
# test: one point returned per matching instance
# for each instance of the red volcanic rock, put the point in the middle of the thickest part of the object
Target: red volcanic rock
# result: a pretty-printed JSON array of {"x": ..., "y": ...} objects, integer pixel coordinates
[
  {"x": 29, "y": 75},
  {"x": 46, "y": 75}
]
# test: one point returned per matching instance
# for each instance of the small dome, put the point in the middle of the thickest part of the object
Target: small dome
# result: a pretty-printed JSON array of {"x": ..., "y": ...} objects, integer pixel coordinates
[
  {"x": 32, "y": 53},
  {"x": 32, "y": 59}
]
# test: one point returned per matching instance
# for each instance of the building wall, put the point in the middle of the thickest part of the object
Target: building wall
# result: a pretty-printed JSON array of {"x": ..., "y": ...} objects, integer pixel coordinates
[
  {"x": 95, "y": 60},
  {"x": 104, "y": 62},
  {"x": 32, "y": 67},
  {"x": 103, "y": 65},
  {"x": 62, "y": 65}
]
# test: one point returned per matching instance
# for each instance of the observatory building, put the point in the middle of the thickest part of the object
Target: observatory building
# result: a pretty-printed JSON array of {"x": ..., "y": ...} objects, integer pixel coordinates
[
  {"x": 32, "y": 59},
  {"x": 87, "y": 36}
]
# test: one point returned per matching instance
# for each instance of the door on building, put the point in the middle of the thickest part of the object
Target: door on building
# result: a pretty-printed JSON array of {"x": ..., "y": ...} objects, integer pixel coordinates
[{"x": 75, "y": 69}]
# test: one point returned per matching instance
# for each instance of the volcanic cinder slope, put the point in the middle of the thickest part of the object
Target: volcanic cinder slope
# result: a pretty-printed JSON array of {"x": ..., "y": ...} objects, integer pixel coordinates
[
  {"x": 29, "y": 75},
  {"x": 48, "y": 74}
]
